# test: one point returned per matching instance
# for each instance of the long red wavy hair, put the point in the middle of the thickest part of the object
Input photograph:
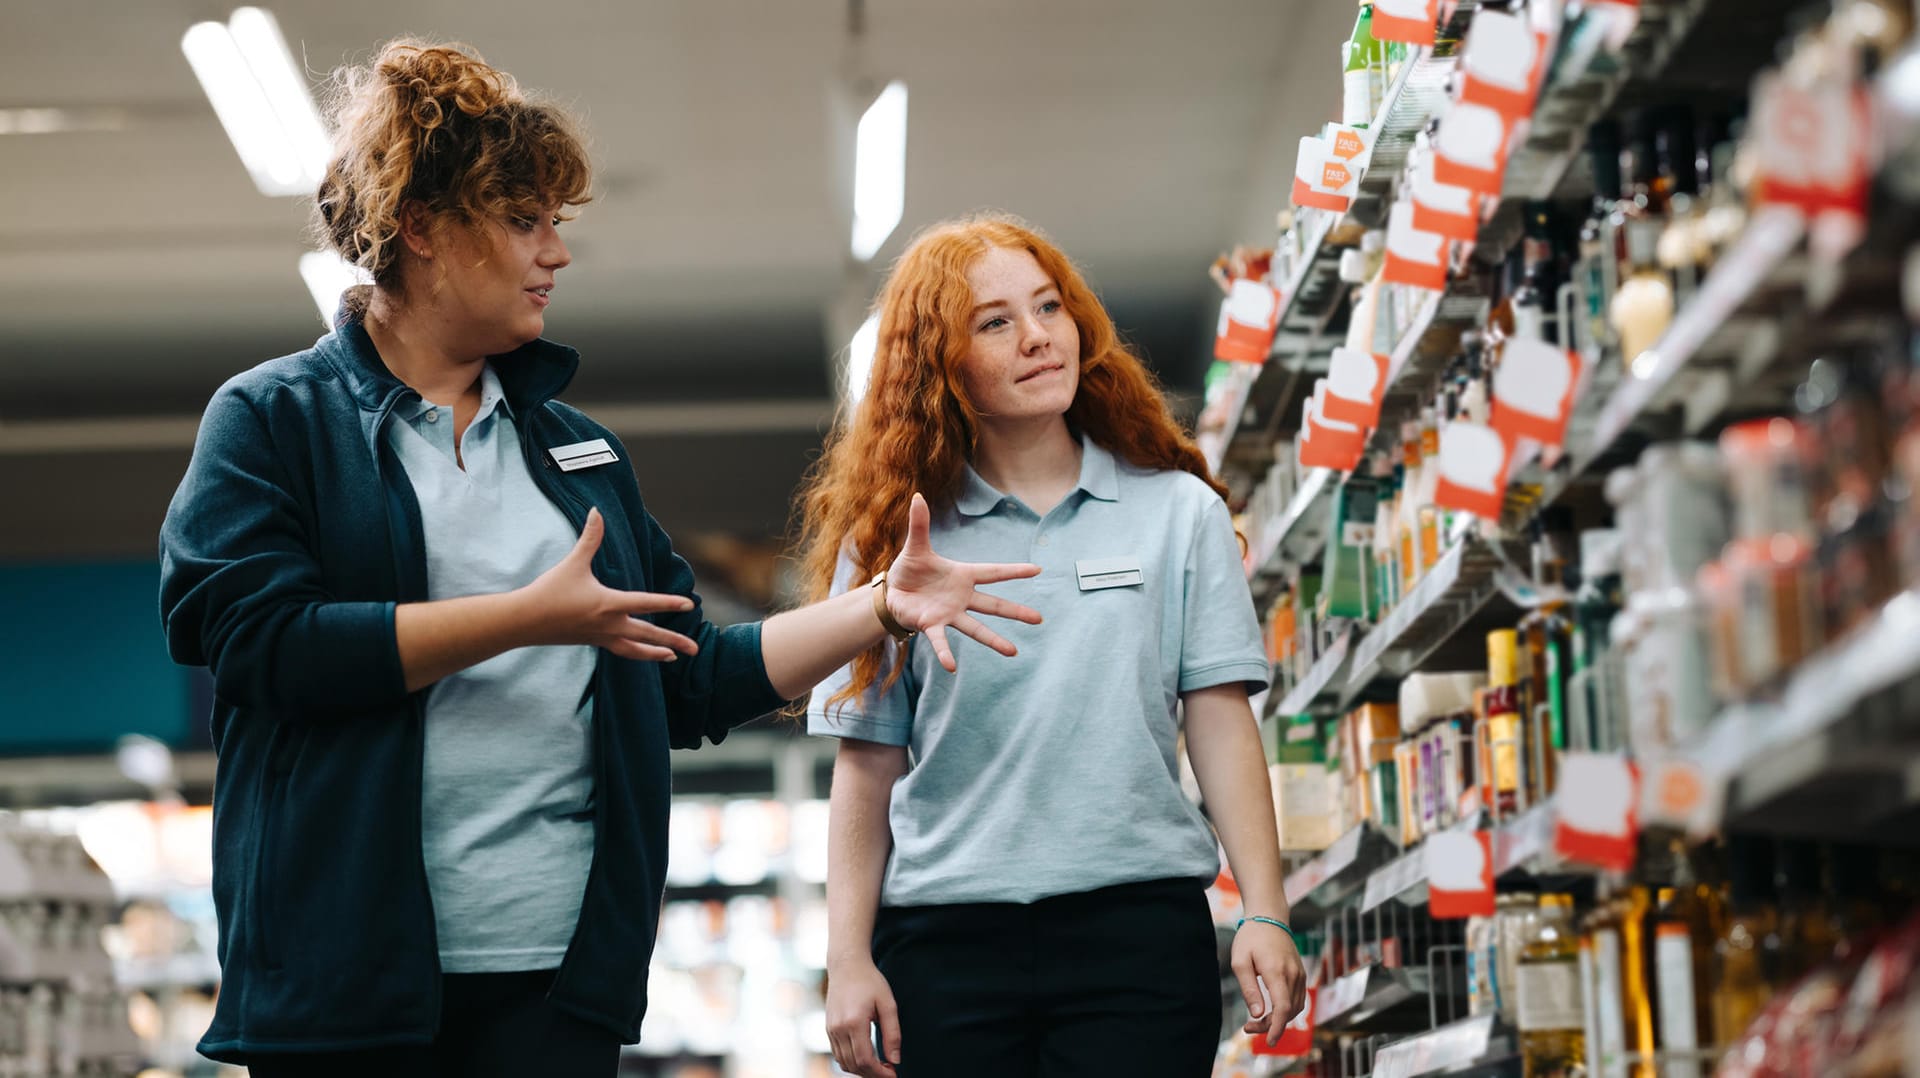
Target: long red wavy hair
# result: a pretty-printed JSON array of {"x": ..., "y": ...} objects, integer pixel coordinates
[{"x": 915, "y": 429}]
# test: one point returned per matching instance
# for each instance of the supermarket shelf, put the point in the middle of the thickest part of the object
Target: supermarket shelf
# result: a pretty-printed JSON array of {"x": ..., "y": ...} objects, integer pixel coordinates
[
  {"x": 1326, "y": 883},
  {"x": 1424, "y": 348},
  {"x": 1311, "y": 295},
  {"x": 1373, "y": 997},
  {"x": 1298, "y": 536},
  {"x": 1404, "y": 879},
  {"x": 1417, "y": 93},
  {"x": 1556, "y": 135},
  {"x": 1427, "y": 618},
  {"x": 1840, "y": 751},
  {"x": 1474, "y": 1046},
  {"x": 1700, "y": 332},
  {"x": 1327, "y": 673}
]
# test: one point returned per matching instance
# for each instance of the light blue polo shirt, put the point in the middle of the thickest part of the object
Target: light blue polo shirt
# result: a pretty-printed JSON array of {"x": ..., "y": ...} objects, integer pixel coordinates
[
  {"x": 507, "y": 804},
  {"x": 1054, "y": 772}
]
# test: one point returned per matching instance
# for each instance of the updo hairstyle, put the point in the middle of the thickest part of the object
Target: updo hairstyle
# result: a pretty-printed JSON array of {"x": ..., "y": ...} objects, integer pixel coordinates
[{"x": 436, "y": 124}]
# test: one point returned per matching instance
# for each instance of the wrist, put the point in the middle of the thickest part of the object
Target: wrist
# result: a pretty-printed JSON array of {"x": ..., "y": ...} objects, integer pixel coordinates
[
  {"x": 842, "y": 961},
  {"x": 892, "y": 626},
  {"x": 523, "y": 618}
]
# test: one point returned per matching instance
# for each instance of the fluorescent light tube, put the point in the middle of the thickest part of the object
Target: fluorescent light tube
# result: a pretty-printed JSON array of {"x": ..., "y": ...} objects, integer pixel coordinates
[
  {"x": 860, "y": 352},
  {"x": 879, "y": 170},
  {"x": 285, "y": 86},
  {"x": 327, "y": 275},
  {"x": 262, "y": 100}
]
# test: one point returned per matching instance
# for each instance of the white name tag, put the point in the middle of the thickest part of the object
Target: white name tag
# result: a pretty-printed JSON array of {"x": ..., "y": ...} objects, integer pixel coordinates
[
  {"x": 572, "y": 458},
  {"x": 1099, "y": 573}
]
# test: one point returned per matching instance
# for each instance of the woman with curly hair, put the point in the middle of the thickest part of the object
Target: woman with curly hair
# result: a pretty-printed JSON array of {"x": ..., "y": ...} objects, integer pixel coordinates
[
  {"x": 1016, "y": 882},
  {"x": 450, "y": 646}
]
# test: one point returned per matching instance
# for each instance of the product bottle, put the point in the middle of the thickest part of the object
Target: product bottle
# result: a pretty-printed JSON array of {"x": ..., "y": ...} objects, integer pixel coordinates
[
  {"x": 1429, "y": 514},
  {"x": 1502, "y": 730},
  {"x": 1644, "y": 306},
  {"x": 1636, "y": 979},
  {"x": 1534, "y": 300},
  {"x": 1689, "y": 919},
  {"x": 1551, "y": 1043},
  {"x": 1606, "y": 1029},
  {"x": 1599, "y": 260},
  {"x": 1361, "y": 55},
  {"x": 1406, "y": 526},
  {"x": 1593, "y": 719},
  {"x": 1385, "y": 574},
  {"x": 1742, "y": 955},
  {"x": 1546, "y": 635},
  {"x": 1807, "y": 937}
]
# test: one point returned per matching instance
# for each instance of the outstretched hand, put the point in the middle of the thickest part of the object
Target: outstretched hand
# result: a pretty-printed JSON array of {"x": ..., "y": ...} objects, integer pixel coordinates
[{"x": 927, "y": 593}]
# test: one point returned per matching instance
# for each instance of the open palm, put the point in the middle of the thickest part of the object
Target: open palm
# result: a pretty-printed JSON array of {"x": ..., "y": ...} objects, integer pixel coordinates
[{"x": 927, "y": 593}]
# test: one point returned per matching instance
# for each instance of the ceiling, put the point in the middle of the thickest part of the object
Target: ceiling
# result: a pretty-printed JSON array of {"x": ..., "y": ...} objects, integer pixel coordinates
[{"x": 139, "y": 267}]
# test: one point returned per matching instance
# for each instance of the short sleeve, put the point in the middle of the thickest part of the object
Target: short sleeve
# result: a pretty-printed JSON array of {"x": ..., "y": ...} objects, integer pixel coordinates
[
  {"x": 883, "y": 716},
  {"x": 1220, "y": 636}
]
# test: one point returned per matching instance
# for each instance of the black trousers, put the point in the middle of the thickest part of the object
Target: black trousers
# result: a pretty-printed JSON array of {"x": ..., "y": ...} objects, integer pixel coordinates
[
  {"x": 492, "y": 1025},
  {"x": 1122, "y": 982}
]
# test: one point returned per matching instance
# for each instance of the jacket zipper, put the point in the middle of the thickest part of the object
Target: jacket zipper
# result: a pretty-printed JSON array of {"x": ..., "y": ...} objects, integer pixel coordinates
[
  {"x": 417, "y": 705},
  {"x": 575, "y": 509}
]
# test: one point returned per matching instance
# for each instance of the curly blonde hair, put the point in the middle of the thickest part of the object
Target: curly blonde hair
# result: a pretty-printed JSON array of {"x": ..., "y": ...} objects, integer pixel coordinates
[{"x": 435, "y": 124}]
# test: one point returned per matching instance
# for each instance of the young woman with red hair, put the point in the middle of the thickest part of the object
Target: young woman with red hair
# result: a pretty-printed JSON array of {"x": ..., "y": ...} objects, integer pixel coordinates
[{"x": 1017, "y": 881}]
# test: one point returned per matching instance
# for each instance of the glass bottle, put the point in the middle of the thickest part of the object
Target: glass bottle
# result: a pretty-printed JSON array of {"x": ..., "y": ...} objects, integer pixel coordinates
[
  {"x": 1635, "y": 905},
  {"x": 1806, "y": 918},
  {"x": 1502, "y": 731},
  {"x": 1606, "y": 1029},
  {"x": 1428, "y": 512},
  {"x": 1550, "y": 1011},
  {"x": 1643, "y": 307},
  {"x": 1599, "y": 258},
  {"x": 1742, "y": 955},
  {"x": 1546, "y": 641},
  {"x": 1406, "y": 523},
  {"x": 1593, "y": 716},
  {"x": 1689, "y": 919},
  {"x": 1361, "y": 56}
]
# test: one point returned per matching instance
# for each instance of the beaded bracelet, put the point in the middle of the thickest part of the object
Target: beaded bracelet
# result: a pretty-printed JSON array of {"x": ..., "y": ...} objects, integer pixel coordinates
[{"x": 1281, "y": 925}]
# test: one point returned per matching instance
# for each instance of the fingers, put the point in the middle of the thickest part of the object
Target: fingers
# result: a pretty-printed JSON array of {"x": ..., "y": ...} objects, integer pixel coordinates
[
  {"x": 919, "y": 524},
  {"x": 646, "y": 632},
  {"x": 590, "y": 535},
  {"x": 993, "y": 605},
  {"x": 937, "y": 636},
  {"x": 1250, "y": 986},
  {"x": 971, "y": 626},
  {"x": 647, "y": 602},
  {"x": 646, "y": 653},
  {"x": 862, "y": 1058},
  {"x": 996, "y": 573},
  {"x": 889, "y": 1033}
]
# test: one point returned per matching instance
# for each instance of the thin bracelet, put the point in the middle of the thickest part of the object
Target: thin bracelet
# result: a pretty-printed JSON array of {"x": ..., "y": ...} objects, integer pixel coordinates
[{"x": 1281, "y": 925}]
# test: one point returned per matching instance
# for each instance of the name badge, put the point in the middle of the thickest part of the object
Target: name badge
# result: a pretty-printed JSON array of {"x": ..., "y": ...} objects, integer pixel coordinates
[
  {"x": 572, "y": 458},
  {"x": 1100, "y": 573}
]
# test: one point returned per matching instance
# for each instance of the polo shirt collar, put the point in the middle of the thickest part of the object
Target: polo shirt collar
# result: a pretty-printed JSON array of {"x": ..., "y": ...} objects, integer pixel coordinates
[
  {"x": 413, "y": 407},
  {"x": 1099, "y": 479}
]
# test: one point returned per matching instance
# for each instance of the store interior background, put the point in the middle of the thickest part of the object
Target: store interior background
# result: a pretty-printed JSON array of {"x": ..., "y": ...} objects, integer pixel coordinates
[{"x": 712, "y": 294}]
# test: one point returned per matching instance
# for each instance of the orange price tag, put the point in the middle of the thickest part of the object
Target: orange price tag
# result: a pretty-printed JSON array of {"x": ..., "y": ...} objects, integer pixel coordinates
[
  {"x": 1411, "y": 22},
  {"x": 1533, "y": 391},
  {"x": 1474, "y": 461},
  {"x": 1597, "y": 812},
  {"x": 1459, "y": 874},
  {"x": 1249, "y": 316}
]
